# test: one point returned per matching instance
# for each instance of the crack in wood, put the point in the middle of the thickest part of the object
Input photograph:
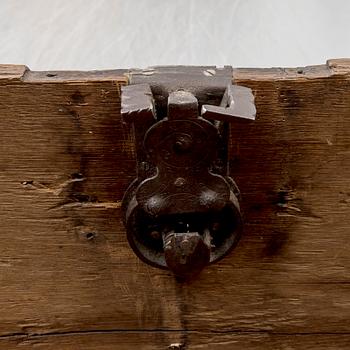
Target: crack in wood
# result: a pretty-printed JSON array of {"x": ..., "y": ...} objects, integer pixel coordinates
[{"x": 189, "y": 331}]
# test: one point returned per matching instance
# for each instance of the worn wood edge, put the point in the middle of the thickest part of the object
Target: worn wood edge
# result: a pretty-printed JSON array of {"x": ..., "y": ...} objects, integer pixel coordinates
[
  {"x": 333, "y": 67},
  {"x": 12, "y": 71},
  {"x": 75, "y": 76},
  {"x": 339, "y": 66},
  {"x": 15, "y": 73}
]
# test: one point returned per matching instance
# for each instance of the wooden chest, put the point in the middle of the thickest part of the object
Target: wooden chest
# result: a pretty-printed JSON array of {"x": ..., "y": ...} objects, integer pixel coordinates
[{"x": 68, "y": 279}]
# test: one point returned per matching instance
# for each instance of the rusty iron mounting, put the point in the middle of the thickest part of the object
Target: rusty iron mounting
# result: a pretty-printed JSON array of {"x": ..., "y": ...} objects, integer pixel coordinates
[{"x": 182, "y": 210}]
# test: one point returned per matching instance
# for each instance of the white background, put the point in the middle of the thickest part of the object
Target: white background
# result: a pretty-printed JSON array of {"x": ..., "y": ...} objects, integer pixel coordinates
[{"x": 102, "y": 34}]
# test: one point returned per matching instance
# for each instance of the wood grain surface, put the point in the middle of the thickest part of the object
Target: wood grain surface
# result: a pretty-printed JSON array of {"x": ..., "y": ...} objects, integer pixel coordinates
[{"x": 68, "y": 279}]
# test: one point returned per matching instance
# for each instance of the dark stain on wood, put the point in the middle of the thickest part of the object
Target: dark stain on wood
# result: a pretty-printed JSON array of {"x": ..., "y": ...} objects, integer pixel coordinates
[
  {"x": 77, "y": 98},
  {"x": 289, "y": 98}
]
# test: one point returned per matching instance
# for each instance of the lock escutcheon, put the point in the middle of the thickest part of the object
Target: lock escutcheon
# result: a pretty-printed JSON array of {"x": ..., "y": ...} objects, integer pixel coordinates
[{"x": 182, "y": 210}]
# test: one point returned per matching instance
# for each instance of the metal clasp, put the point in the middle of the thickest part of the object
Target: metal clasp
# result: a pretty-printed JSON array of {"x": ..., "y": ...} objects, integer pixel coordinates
[{"x": 182, "y": 210}]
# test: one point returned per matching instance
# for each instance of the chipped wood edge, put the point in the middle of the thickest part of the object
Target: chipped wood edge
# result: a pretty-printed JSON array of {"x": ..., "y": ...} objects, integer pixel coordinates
[
  {"x": 333, "y": 67},
  {"x": 14, "y": 73}
]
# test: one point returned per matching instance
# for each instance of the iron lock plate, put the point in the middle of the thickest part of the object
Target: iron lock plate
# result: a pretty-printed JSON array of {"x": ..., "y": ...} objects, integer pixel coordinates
[{"x": 182, "y": 210}]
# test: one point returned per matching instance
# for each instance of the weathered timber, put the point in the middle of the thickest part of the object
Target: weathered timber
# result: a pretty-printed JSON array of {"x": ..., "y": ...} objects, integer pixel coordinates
[{"x": 67, "y": 275}]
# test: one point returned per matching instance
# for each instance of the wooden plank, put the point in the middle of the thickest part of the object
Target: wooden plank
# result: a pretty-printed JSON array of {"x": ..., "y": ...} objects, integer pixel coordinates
[
  {"x": 65, "y": 265},
  {"x": 163, "y": 340}
]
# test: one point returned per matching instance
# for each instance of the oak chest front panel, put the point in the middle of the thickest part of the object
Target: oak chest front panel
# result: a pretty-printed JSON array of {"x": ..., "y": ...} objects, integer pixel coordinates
[{"x": 68, "y": 279}]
